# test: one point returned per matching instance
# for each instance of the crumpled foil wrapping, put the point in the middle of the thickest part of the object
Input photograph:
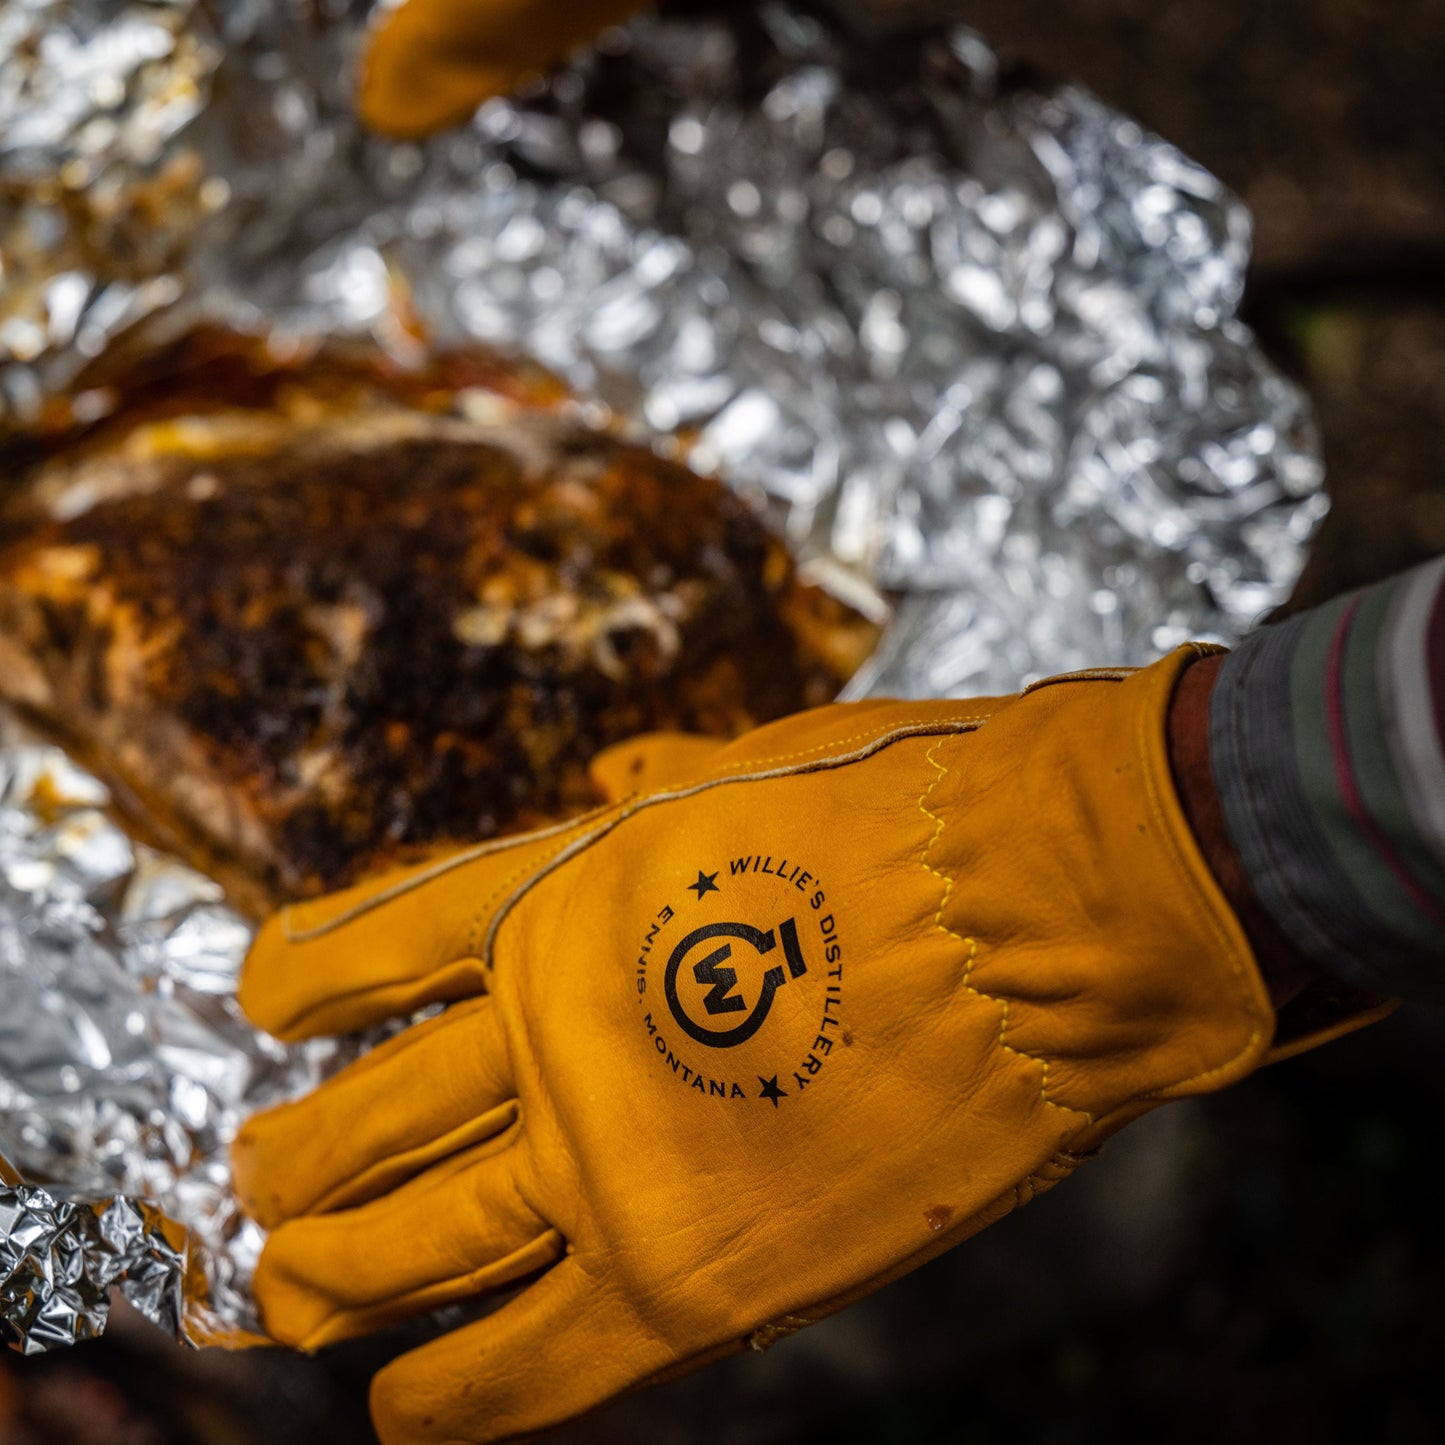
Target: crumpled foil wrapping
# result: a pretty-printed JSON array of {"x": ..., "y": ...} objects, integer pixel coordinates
[
  {"x": 125, "y": 1065},
  {"x": 970, "y": 344},
  {"x": 60, "y": 1258}
]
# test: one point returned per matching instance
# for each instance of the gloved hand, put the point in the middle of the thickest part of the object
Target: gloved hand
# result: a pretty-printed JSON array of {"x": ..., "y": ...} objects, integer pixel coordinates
[
  {"x": 741, "y": 1046},
  {"x": 431, "y": 63}
]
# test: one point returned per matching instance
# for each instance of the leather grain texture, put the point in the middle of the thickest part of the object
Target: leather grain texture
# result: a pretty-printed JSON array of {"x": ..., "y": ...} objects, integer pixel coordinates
[{"x": 730, "y": 1052}]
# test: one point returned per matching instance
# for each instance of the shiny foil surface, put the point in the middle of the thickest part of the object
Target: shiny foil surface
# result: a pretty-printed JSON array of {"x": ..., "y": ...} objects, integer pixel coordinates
[
  {"x": 60, "y": 1259},
  {"x": 973, "y": 345},
  {"x": 125, "y": 1066}
]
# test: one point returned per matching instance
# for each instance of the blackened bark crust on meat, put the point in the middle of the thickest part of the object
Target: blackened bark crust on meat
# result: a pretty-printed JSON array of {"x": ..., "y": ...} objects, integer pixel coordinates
[{"x": 391, "y": 646}]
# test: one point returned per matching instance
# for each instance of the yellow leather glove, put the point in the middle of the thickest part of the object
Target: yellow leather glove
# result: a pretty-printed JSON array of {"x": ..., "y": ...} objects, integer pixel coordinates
[
  {"x": 431, "y": 63},
  {"x": 726, "y": 1055}
]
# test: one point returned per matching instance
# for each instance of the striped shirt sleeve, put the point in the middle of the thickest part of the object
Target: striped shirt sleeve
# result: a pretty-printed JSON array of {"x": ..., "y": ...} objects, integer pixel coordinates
[{"x": 1327, "y": 741}]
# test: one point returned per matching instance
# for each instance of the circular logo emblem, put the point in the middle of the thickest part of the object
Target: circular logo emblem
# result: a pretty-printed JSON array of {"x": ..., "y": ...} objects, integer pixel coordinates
[
  {"x": 740, "y": 980},
  {"x": 712, "y": 972}
]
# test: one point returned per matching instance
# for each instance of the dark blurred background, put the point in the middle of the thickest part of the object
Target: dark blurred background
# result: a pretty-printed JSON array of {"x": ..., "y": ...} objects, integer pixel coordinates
[{"x": 1263, "y": 1265}]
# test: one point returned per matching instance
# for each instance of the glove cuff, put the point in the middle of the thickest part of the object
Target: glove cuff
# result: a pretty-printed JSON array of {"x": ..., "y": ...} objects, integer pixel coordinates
[
  {"x": 1098, "y": 926},
  {"x": 1311, "y": 1006}
]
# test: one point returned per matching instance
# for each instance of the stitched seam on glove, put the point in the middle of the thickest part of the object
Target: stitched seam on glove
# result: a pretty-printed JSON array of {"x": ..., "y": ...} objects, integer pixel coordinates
[
  {"x": 439, "y": 869},
  {"x": 900, "y": 730},
  {"x": 876, "y": 743},
  {"x": 766, "y": 1336},
  {"x": 501, "y": 891},
  {"x": 971, "y": 944},
  {"x": 1084, "y": 674},
  {"x": 620, "y": 809},
  {"x": 1054, "y": 1170}
]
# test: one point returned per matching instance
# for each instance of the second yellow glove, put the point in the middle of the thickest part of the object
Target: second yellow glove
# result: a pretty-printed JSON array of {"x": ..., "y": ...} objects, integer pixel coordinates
[{"x": 431, "y": 63}]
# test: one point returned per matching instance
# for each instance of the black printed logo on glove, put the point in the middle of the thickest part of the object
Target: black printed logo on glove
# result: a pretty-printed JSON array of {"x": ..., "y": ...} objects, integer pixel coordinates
[
  {"x": 713, "y": 972},
  {"x": 724, "y": 975}
]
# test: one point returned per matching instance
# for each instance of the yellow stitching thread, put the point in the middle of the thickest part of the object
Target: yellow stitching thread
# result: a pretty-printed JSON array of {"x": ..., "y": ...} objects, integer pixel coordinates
[
  {"x": 437, "y": 870},
  {"x": 1085, "y": 674},
  {"x": 573, "y": 835},
  {"x": 843, "y": 742},
  {"x": 1063, "y": 1162},
  {"x": 488, "y": 907},
  {"x": 622, "y": 808},
  {"x": 766, "y": 1336},
  {"x": 876, "y": 741},
  {"x": 972, "y": 943}
]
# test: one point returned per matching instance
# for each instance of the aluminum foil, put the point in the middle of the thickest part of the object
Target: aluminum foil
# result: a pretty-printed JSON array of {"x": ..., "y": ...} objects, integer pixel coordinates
[
  {"x": 60, "y": 1259},
  {"x": 972, "y": 346},
  {"x": 125, "y": 1064}
]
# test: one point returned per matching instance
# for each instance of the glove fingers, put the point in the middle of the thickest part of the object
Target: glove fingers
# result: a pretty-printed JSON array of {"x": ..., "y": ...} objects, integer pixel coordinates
[
  {"x": 457, "y": 1231},
  {"x": 388, "y": 946},
  {"x": 562, "y": 1346},
  {"x": 432, "y": 62},
  {"x": 369, "y": 1128},
  {"x": 649, "y": 763}
]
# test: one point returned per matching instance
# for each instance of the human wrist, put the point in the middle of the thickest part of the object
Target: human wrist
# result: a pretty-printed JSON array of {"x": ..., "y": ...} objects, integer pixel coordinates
[
  {"x": 1311, "y": 1004},
  {"x": 1286, "y": 971}
]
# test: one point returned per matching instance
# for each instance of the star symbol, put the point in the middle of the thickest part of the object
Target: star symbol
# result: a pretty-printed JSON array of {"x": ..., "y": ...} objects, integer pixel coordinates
[
  {"x": 770, "y": 1090},
  {"x": 706, "y": 883}
]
